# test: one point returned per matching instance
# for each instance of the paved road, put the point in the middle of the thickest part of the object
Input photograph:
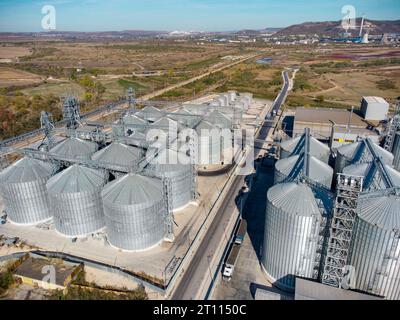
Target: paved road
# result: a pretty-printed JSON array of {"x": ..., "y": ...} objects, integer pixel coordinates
[{"x": 199, "y": 265}]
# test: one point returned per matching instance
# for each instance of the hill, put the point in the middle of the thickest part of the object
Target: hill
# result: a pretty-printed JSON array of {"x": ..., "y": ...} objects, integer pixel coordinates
[{"x": 334, "y": 28}]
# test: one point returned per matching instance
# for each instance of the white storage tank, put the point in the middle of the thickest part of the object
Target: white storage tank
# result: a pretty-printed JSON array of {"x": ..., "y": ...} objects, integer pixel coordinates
[
  {"x": 292, "y": 224},
  {"x": 296, "y": 146},
  {"x": 319, "y": 171},
  {"x": 135, "y": 211},
  {"x": 75, "y": 148},
  {"x": 177, "y": 167},
  {"x": 23, "y": 189},
  {"x": 374, "y": 108},
  {"x": 76, "y": 201},
  {"x": 375, "y": 246}
]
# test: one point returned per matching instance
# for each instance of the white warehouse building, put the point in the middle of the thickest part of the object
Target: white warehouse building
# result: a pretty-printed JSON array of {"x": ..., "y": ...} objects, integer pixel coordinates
[{"x": 374, "y": 108}]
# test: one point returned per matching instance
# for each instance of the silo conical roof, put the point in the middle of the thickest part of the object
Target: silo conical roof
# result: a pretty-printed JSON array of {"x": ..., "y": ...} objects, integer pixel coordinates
[
  {"x": 363, "y": 169},
  {"x": 75, "y": 148},
  {"x": 27, "y": 170},
  {"x": 119, "y": 154},
  {"x": 294, "y": 198},
  {"x": 169, "y": 160},
  {"x": 380, "y": 211},
  {"x": 132, "y": 119},
  {"x": 133, "y": 189},
  {"x": 318, "y": 171},
  {"x": 76, "y": 179},
  {"x": 350, "y": 150},
  {"x": 317, "y": 148},
  {"x": 150, "y": 113}
]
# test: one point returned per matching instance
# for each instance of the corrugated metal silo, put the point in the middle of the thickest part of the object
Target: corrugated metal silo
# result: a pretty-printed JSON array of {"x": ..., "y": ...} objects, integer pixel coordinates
[
  {"x": 209, "y": 144},
  {"x": 371, "y": 180},
  {"x": 23, "y": 189},
  {"x": 219, "y": 120},
  {"x": 135, "y": 210},
  {"x": 150, "y": 113},
  {"x": 132, "y": 123},
  {"x": 295, "y": 146},
  {"x": 177, "y": 167},
  {"x": 396, "y": 151},
  {"x": 292, "y": 224},
  {"x": 318, "y": 171},
  {"x": 75, "y": 148},
  {"x": 375, "y": 246},
  {"x": 76, "y": 201},
  {"x": 119, "y": 154}
]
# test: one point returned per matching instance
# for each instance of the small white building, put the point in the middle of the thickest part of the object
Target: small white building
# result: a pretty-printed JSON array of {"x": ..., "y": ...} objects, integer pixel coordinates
[{"x": 374, "y": 108}]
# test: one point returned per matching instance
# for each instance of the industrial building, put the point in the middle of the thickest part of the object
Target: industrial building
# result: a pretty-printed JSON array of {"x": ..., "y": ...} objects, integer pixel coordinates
[{"x": 374, "y": 108}]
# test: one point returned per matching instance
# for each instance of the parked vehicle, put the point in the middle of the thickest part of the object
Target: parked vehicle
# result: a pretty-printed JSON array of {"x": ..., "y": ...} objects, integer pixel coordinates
[
  {"x": 230, "y": 262},
  {"x": 241, "y": 233}
]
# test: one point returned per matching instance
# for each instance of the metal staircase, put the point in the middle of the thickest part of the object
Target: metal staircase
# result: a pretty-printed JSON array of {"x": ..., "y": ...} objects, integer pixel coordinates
[{"x": 344, "y": 214}]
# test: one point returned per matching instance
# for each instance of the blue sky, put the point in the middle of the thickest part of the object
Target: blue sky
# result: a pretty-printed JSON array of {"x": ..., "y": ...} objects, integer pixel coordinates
[{"x": 200, "y": 15}]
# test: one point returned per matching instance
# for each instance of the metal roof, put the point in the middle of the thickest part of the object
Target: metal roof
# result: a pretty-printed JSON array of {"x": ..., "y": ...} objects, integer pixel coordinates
[
  {"x": 294, "y": 198},
  {"x": 150, "y": 113},
  {"x": 75, "y": 148},
  {"x": 133, "y": 189},
  {"x": 132, "y": 119},
  {"x": 203, "y": 124},
  {"x": 169, "y": 160},
  {"x": 27, "y": 170},
  {"x": 76, "y": 179},
  {"x": 364, "y": 170},
  {"x": 219, "y": 119},
  {"x": 350, "y": 150},
  {"x": 318, "y": 170},
  {"x": 327, "y": 116},
  {"x": 317, "y": 148},
  {"x": 119, "y": 153},
  {"x": 380, "y": 211},
  {"x": 372, "y": 99}
]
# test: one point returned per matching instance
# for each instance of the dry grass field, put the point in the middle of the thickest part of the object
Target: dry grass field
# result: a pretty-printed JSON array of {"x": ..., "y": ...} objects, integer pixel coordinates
[
  {"x": 13, "y": 77},
  {"x": 13, "y": 52}
]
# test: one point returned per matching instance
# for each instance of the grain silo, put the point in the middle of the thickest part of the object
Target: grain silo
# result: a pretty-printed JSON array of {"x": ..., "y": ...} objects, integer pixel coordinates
[
  {"x": 135, "y": 212},
  {"x": 119, "y": 154},
  {"x": 290, "y": 168},
  {"x": 197, "y": 109},
  {"x": 295, "y": 146},
  {"x": 219, "y": 120},
  {"x": 76, "y": 201},
  {"x": 396, "y": 151},
  {"x": 132, "y": 123},
  {"x": 292, "y": 232},
  {"x": 23, "y": 189},
  {"x": 75, "y": 148},
  {"x": 375, "y": 253},
  {"x": 359, "y": 152},
  {"x": 209, "y": 144},
  {"x": 177, "y": 167},
  {"x": 150, "y": 114},
  {"x": 163, "y": 128},
  {"x": 373, "y": 177}
]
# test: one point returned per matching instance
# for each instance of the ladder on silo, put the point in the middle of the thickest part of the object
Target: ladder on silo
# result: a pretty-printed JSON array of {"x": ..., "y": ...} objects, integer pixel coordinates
[
  {"x": 394, "y": 126},
  {"x": 193, "y": 167},
  {"x": 341, "y": 230},
  {"x": 169, "y": 216}
]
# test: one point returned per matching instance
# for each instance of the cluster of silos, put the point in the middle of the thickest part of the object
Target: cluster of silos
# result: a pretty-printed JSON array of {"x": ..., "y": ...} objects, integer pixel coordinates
[
  {"x": 293, "y": 223},
  {"x": 76, "y": 201},
  {"x": 375, "y": 253},
  {"x": 23, "y": 189},
  {"x": 177, "y": 168},
  {"x": 135, "y": 211}
]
